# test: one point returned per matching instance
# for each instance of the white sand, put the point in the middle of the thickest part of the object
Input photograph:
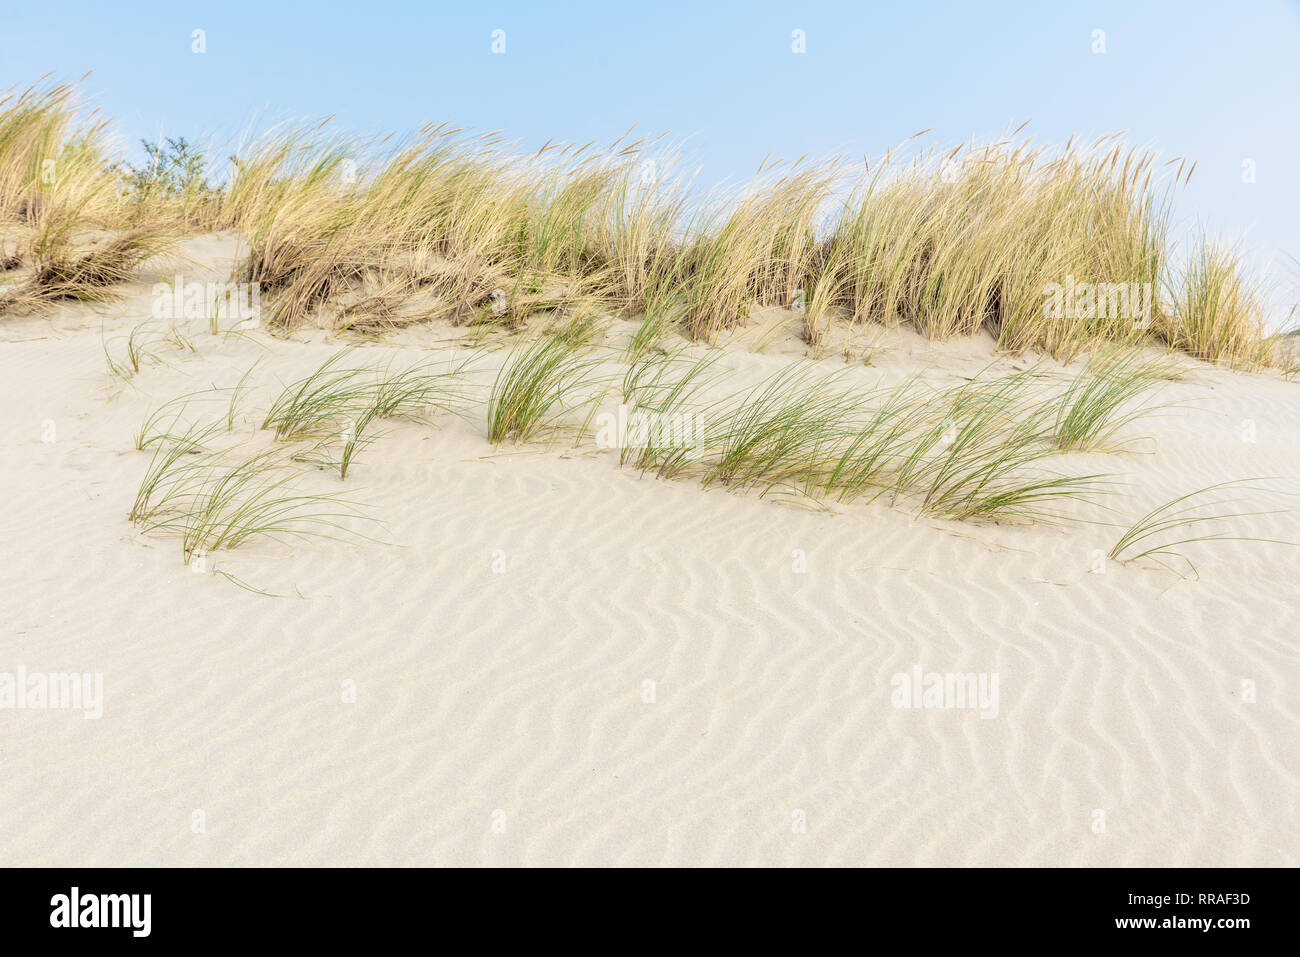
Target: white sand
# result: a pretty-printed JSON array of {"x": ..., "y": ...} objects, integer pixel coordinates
[{"x": 501, "y": 718}]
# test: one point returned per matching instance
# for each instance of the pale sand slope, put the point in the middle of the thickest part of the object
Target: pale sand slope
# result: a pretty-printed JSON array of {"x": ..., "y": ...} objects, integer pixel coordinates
[{"x": 522, "y": 692}]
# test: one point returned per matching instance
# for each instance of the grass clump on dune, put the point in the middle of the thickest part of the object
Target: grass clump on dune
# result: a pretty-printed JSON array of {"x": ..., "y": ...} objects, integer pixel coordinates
[
  {"x": 541, "y": 382},
  {"x": 66, "y": 270},
  {"x": 142, "y": 343},
  {"x": 1155, "y": 533},
  {"x": 338, "y": 404},
  {"x": 976, "y": 451},
  {"x": 782, "y": 432},
  {"x": 212, "y": 501},
  {"x": 666, "y": 388},
  {"x": 1218, "y": 310},
  {"x": 872, "y": 450},
  {"x": 162, "y": 426},
  {"x": 1091, "y": 410},
  {"x": 755, "y": 249},
  {"x": 58, "y": 189},
  {"x": 315, "y": 405},
  {"x": 981, "y": 456}
]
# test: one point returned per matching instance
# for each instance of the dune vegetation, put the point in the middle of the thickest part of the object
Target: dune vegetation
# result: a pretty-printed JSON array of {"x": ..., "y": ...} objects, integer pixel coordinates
[
  {"x": 363, "y": 234},
  {"x": 1062, "y": 253}
]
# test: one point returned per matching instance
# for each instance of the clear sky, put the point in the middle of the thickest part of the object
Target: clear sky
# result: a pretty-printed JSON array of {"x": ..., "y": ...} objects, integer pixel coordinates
[{"x": 1218, "y": 83}]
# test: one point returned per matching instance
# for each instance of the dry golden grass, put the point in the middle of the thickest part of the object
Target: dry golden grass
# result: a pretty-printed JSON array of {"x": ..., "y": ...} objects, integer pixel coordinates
[
  {"x": 371, "y": 234},
  {"x": 1218, "y": 310},
  {"x": 80, "y": 235}
]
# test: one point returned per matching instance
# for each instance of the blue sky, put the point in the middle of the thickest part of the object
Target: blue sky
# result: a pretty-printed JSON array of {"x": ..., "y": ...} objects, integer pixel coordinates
[{"x": 1218, "y": 83}]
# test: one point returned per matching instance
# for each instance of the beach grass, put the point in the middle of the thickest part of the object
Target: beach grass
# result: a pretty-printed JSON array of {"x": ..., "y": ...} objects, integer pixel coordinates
[
  {"x": 215, "y": 500},
  {"x": 337, "y": 404},
  {"x": 538, "y": 386},
  {"x": 362, "y": 231},
  {"x": 980, "y": 453},
  {"x": 1100, "y": 401},
  {"x": 1201, "y": 515}
]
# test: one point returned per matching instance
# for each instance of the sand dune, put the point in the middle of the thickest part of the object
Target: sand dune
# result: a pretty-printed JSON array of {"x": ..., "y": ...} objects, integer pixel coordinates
[{"x": 652, "y": 673}]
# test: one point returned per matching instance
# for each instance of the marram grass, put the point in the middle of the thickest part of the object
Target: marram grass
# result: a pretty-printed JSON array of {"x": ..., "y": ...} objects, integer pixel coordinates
[
  {"x": 981, "y": 450},
  {"x": 372, "y": 233},
  {"x": 336, "y": 405},
  {"x": 538, "y": 386},
  {"x": 1103, "y": 399},
  {"x": 217, "y": 500},
  {"x": 1163, "y": 533}
]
